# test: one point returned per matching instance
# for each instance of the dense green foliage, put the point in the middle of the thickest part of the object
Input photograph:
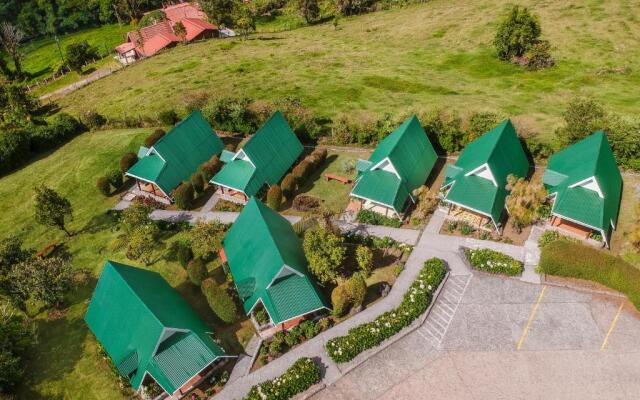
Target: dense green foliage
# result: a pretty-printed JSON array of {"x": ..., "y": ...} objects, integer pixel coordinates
[
  {"x": 364, "y": 258},
  {"x": 325, "y": 252},
  {"x": 197, "y": 271},
  {"x": 219, "y": 300},
  {"x": 288, "y": 186},
  {"x": 274, "y": 197},
  {"x": 494, "y": 262},
  {"x": 127, "y": 161},
  {"x": 575, "y": 260},
  {"x": 44, "y": 279},
  {"x": 206, "y": 238},
  {"x": 12, "y": 253},
  {"x": 16, "y": 334},
  {"x": 518, "y": 30},
  {"x": 152, "y": 18},
  {"x": 415, "y": 302},
  {"x": 184, "y": 195},
  {"x": 153, "y": 137},
  {"x": 102, "y": 183},
  {"x": 78, "y": 54},
  {"x": 197, "y": 181},
  {"x": 375, "y": 218},
  {"x": 300, "y": 376}
]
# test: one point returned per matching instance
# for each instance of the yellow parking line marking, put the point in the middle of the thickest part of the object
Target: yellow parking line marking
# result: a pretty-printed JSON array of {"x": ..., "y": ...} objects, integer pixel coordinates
[
  {"x": 531, "y": 317},
  {"x": 613, "y": 325}
]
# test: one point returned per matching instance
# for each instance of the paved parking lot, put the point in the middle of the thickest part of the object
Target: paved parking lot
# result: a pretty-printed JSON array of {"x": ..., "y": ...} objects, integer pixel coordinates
[{"x": 499, "y": 338}]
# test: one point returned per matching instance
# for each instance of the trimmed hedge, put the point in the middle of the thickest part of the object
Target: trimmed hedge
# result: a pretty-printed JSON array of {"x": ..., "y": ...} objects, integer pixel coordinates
[
  {"x": 153, "y": 138},
  {"x": 197, "y": 271},
  {"x": 127, "y": 161},
  {"x": 300, "y": 376},
  {"x": 374, "y": 218},
  {"x": 493, "y": 262},
  {"x": 274, "y": 197},
  {"x": 575, "y": 260},
  {"x": 415, "y": 302},
  {"x": 103, "y": 186},
  {"x": 288, "y": 186},
  {"x": 115, "y": 178},
  {"x": 219, "y": 300},
  {"x": 184, "y": 196}
]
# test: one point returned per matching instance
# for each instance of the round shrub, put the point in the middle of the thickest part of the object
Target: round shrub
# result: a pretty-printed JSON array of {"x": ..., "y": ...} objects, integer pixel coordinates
[
  {"x": 103, "y": 185},
  {"x": 93, "y": 120},
  {"x": 184, "y": 196},
  {"x": 274, "y": 197},
  {"x": 339, "y": 300},
  {"x": 219, "y": 300},
  {"x": 288, "y": 186},
  {"x": 154, "y": 137},
  {"x": 127, "y": 161},
  {"x": 301, "y": 170},
  {"x": 516, "y": 33},
  {"x": 115, "y": 178},
  {"x": 356, "y": 289},
  {"x": 321, "y": 153},
  {"x": 197, "y": 271},
  {"x": 197, "y": 181},
  {"x": 168, "y": 117},
  {"x": 364, "y": 257}
]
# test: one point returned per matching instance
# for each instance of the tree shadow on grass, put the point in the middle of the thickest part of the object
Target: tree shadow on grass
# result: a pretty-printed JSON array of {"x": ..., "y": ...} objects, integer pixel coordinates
[{"x": 60, "y": 347}]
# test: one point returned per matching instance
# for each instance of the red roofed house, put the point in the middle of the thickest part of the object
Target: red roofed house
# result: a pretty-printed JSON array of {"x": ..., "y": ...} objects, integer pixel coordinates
[{"x": 149, "y": 40}]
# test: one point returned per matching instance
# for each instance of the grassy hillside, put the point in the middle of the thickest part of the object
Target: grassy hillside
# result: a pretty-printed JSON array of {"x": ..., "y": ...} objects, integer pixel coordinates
[
  {"x": 437, "y": 54},
  {"x": 41, "y": 54}
]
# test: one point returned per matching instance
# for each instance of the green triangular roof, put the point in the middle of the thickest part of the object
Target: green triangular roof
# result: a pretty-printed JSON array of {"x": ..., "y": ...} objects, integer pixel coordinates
[
  {"x": 590, "y": 157},
  {"x": 410, "y": 152},
  {"x": 179, "y": 153},
  {"x": 501, "y": 151},
  {"x": 134, "y": 314},
  {"x": 258, "y": 246},
  {"x": 271, "y": 151}
]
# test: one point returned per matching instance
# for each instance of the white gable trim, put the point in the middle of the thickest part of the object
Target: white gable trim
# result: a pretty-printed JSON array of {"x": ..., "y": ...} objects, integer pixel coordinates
[
  {"x": 590, "y": 183},
  {"x": 390, "y": 168},
  {"x": 480, "y": 171},
  {"x": 154, "y": 151},
  {"x": 166, "y": 332},
  {"x": 241, "y": 155},
  {"x": 284, "y": 268}
]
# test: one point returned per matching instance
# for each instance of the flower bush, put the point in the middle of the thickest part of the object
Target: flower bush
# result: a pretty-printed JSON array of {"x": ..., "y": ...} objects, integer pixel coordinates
[
  {"x": 300, "y": 376},
  {"x": 494, "y": 262},
  {"x": 415, "y": 302}
]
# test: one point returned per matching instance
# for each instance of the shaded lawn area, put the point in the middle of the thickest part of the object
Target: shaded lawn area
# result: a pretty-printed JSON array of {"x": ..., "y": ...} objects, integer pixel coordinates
[
  {"x": 334, "y": 195},
  {"x": 65, "y": 362}
]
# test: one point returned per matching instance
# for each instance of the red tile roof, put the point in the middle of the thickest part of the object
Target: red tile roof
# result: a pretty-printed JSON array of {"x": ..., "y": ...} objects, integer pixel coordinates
[
  {"x": 195, "y": 27},
  {"x": 177, "y": 12}
]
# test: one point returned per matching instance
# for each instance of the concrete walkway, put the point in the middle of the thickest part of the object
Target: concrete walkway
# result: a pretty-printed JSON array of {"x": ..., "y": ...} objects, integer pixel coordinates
[
  {"x": 195, "y": 216},
  {"x": 408, "y": 236},
  {"x": 428, "y": 244}
]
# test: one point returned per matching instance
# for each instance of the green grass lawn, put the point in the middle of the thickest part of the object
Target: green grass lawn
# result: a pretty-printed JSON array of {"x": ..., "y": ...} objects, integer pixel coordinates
[
  {"x": 42, "y": 54},
  {"x": 334, "y": 194},
  {"x": 432, "y": 55},
  {"x": 65, "y": 363}
]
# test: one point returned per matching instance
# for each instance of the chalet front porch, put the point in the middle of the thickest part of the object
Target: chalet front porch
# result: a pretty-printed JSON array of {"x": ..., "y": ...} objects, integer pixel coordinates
[
  {"x": 137, "y": 191},
  {"x": 356, "y": 204},
  {"x": 231, "y": 195},
  {"x": 267, "y": 329},
  {"x": 574, "y": 230},
  {"x": 144, "y": 188},
  {"x": 474, "y": 219}
]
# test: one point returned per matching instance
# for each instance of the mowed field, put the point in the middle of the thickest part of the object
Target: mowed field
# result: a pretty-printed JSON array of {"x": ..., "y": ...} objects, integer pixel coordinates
[{"x": 433, "y": 55}]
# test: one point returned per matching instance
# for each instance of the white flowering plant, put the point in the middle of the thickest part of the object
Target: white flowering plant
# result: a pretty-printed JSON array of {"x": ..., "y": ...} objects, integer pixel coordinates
[
  {"x": 300, "y": 376},
  {"x": 415, "y": 302},
  {"x": 494, "y": 262}
]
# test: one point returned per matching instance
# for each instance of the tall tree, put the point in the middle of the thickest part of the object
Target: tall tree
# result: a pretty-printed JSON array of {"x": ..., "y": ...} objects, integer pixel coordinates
[
  {"x": 11, "y": 37},
  {"x": 51, "y": 209},
  {"x": 325, "y": 252},
  {"x": 206, "y": 238},
  {"x": 245, "y": 20},
  {"x": 524, "y": 202},
  {"x": 219, "y": 11},
  {"x": 11, "y": 253},
  {"x": 517, "y": 32}
]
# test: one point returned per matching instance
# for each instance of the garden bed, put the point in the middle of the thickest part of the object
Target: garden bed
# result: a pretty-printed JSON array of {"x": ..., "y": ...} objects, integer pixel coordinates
[
  {"x": 493, "y": 262},
  {"x": 416, "y": 301},
  {"x": 509, "y": 235}
]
